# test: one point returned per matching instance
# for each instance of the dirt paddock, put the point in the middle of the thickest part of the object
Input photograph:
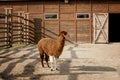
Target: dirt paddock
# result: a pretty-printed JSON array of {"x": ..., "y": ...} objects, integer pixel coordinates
[{"x": 81, "y": 62}]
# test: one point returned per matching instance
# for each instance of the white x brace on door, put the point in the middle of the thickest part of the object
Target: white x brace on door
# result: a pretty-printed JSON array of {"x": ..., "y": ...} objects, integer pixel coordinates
[{"x": 100, "y": 25}]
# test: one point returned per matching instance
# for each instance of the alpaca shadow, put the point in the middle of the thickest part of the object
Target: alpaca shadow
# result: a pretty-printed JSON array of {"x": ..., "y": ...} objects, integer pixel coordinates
[
  {"x": 67, "y": 69},
  {"x": 93, "y": 68}
]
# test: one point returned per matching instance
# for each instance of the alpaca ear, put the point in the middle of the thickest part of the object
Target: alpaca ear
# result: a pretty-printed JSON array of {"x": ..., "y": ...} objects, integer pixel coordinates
[{"x": 63, "y": 33}]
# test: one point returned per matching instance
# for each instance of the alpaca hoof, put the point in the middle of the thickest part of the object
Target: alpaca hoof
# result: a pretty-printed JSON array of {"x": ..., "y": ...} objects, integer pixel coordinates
[
  {"x": 42, "y": 66},
  {"x": 57, "y": 69},
  {"x": 51, "y": 69}
]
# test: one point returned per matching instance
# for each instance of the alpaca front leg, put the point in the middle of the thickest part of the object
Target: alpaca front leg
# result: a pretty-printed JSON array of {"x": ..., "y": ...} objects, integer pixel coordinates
[
  {"x": 52, "y": 62},
  {"x": 55, "y": 61}
]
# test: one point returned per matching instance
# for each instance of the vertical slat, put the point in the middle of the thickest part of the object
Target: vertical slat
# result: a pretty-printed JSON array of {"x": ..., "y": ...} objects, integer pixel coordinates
[
  {"x": 75, "y": 22},
  {"x": 6, "y": 26},
  {"x": 43, "y": 28},
  {"x": 27, "y": 27},
  {"x": 91, "y": 19},
  {"x": 19, "y": 21},
  {"x": 8, "y": 12},
  {"x": 59, "y": 16},
  {"x": 94, "y": 26}
]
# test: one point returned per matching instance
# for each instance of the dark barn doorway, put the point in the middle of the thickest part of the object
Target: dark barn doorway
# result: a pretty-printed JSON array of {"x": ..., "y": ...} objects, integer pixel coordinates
[{"x": 114, "y": 27}]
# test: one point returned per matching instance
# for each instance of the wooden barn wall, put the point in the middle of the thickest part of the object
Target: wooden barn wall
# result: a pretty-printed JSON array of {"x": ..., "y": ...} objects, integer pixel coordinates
[
  {"x": 51, "y": 26},
  {"x": 83, "y": 25},
  {"x": 2, "y": 6},
  {"x": 83, "y": 6},
  {"x": 114, "y": 6},
  {"x": 51, "y": 7},
  {"x": 99, "y": 6},
  {"x": 79, "y": 30},
  {"x": 19, "y": 7},
  {"x": 67, "y": 18}
]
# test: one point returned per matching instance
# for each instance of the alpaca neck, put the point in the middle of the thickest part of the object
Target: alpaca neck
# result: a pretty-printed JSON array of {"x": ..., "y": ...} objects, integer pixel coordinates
[
  {"x": 61, "y": 42},
  {"x": 60, "y": 45}
]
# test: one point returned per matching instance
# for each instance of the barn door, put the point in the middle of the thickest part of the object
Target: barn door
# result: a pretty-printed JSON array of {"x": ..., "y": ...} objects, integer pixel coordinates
[{"x": 100, "y": 24}]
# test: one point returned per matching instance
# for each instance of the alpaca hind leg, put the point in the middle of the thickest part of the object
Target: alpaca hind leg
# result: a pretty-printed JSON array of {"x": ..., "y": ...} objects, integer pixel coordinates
[
  {"x": 41, "y": 59},
  {"x": 46, "y": 59}
]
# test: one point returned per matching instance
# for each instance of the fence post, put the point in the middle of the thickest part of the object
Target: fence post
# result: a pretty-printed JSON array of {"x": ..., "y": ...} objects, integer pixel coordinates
[
  {"x": 20, "y": 13},
  {"x": 27, "y": 27},
  {"x": 8, "y": 20},
  {"x": 21, "y": 21}
]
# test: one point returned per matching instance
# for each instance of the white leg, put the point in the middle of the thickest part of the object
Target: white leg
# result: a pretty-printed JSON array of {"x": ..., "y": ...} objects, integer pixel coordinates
[
  {"x": 55, "y": 63},
  {"x": 52, "y": 62}
]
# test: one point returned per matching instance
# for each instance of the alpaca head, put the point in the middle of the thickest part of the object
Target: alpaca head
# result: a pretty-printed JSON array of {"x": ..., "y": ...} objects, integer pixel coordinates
[
  {"x": 66, "y": 36},
  {"x": 63, "y": 33}
]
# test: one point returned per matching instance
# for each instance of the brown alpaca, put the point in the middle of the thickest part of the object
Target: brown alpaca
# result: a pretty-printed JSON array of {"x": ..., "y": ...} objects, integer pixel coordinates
[{"x": 51, "y": 48}]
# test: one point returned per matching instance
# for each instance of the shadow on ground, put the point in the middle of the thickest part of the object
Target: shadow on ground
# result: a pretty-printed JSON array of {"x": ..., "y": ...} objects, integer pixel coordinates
[{"x": 66, "y": 68}]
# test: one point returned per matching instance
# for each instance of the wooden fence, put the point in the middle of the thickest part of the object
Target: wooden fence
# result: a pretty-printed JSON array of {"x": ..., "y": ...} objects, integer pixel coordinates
[{"x": 15, "y": 28}]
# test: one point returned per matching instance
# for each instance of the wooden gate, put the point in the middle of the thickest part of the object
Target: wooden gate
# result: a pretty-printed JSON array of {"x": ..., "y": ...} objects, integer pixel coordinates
[
  {"x": 100, "y": 25},
  {"x": 16, "y": 29}
]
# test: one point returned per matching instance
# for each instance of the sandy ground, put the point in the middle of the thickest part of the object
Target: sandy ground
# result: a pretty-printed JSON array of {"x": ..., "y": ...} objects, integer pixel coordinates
[{"x": 77, "y": 62}]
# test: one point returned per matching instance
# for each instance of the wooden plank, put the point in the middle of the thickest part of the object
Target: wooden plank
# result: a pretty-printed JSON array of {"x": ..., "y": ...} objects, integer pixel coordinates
[
  {"x": 83, "y": 31},
  {"x": 19, "y": 6},
  {"x": 35, "y": 7},
  {"x": 51, "y": 7},
  {"x": 114, "y": 6},
  {"x": 66, "y": 8},
  {"x": 3, "y": 5},
  {"x": 67, "y": 16},
  {"x": 69, "y": 27},
  {"x": 83, "y": 6},
  {"x": 99, "y": 6},
  {"x": 51, "y": 29}
]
